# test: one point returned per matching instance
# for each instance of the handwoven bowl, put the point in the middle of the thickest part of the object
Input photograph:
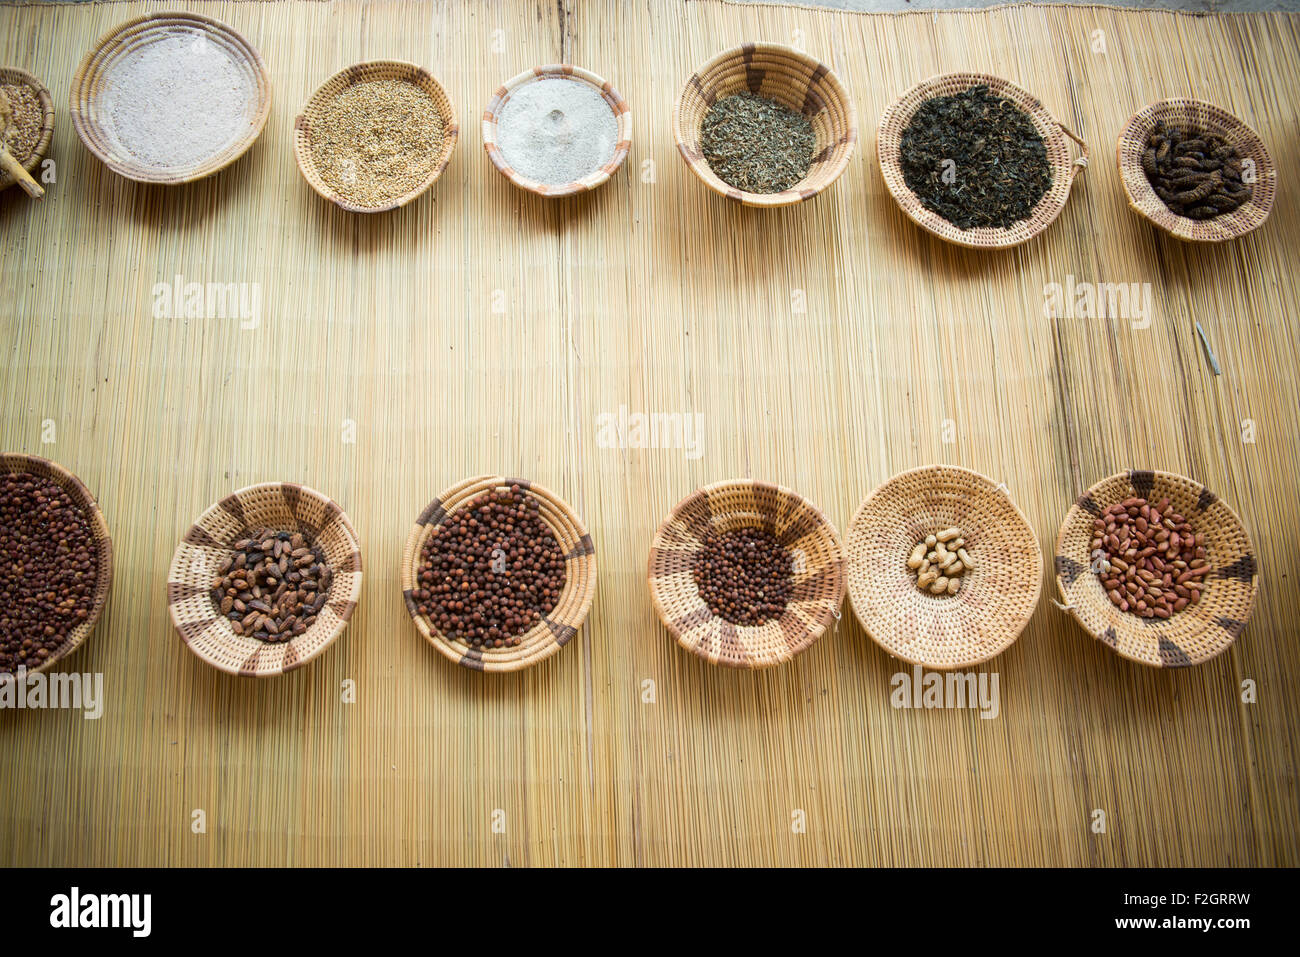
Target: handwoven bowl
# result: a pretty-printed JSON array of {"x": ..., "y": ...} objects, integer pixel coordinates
[
  {"x": 362, "y": 73},
  {"x": 1064, "y": 167},
  {"x": 1205, "y": 116},
  {"x": 818, "y": 573},
  {"x": 80, "y": 495},
  {"x": 285, "y": 507},
  {"x": 794, "y": 80},
  {"x": 554, "y": 630},
  {"x": 622, "y": 113},
  {"x": 9, "y": 76},
  {"x": 89, "y": 84},
  {"x": 997, "y": 597},
  {"x": 1198, "y": 632}
]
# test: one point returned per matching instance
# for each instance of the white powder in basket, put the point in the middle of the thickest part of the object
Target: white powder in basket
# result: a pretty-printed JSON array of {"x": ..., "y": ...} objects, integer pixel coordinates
[
  {"x": 556, "y": 130},
  {"x": 177, "y": 101}
]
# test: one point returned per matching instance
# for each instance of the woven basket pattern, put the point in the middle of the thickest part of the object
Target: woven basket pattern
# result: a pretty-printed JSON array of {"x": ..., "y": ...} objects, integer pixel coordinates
[
  {"x": 1064, "y": 165},
  {"x": 364, "y": 73},
  {"x": 80, "y": 495},
  {"x": 88, "y": 85},
  {"x": 797, "y": 524},
  {"x": 622, "y": 113},
  {"x": 8, "y": 75},
  {"x": 997, "y": 597},
  {"x": 1198, "y": 632},
  {"x": 554, "y": 630},
  {"x": 793, "y": 79},
  {"x": 1194, "y": 113},
  {"x": 284, "y": 507}
]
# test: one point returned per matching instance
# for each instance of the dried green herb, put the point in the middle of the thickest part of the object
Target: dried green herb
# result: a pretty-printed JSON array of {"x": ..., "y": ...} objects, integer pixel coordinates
[
  {"x": 757, "y": 144},
  {"x": 1195, "y": 173},
  {"x": 975, "y": 158}
]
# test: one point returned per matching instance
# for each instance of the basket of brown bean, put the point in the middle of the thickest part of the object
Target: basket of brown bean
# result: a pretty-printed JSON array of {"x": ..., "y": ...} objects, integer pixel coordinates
[
  {"x": 1156, "y": 567},
  {"x": 265, "y": 580},
  {"x": 944, "y": 570},
  {"x": 498, "y": 573},
  {"x": 746, "y": 574},
  {"x": 56, "y": 567},
  {"x": 1196, "y": 171}
]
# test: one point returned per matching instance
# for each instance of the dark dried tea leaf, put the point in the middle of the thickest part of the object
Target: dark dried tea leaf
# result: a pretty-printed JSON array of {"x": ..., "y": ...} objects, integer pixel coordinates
[{"x": 757, "y": 144}]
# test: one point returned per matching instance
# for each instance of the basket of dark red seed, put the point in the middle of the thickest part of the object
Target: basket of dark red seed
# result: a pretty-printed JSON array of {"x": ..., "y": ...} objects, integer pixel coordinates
[
  {"x": 746, "y": 574},
  {"x": 498, "y": 573},
  {"x": 265, "y": 580},
  {"x": 56, "y": 564},
  {"x": 1157, "y": 567}
]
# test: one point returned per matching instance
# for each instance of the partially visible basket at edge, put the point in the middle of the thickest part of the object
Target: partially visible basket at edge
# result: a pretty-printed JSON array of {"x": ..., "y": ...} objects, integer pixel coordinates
[{"x": 12, "y": 76}]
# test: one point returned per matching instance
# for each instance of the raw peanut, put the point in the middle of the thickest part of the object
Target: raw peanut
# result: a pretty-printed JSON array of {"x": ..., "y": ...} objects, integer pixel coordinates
[
  {"x": 965, "y": 558},
  {"x": 918, "y": 556},
  {"x": 953, "y": 585},
  {"x": 940, "y": 585},
  {"x": 948, "y": 534}
]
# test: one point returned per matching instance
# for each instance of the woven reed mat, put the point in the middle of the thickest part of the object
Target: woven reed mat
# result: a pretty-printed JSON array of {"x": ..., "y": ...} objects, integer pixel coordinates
[{"x": 655, "y": 295}]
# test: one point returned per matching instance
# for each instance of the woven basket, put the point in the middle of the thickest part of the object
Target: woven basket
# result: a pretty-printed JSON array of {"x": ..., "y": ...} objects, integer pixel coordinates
[
  {"x": 1205, "y": 116},
  {"x": 362, "y": 73},
  {"x": 997, "y": 597},
  {"x": 285, "y": 507},
  {"x": 80, "y": 495},
  {"x": 553, "y": 631},
  {"x": 793, "y": 79},
  {"x": 799, "y": 526},
  {"x": 9, "y": 76},
  {"x": 1064, "y": 166},
  {"x": 1198, "y": 632},
  {"x": 622, "y": 113},
  {"x": 88, "y": 87}
]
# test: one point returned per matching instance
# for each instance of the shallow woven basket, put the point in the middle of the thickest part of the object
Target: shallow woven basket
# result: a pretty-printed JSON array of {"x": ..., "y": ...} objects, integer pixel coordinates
[
  {"x": 363, "y": 73},
  {"x": 1205, "y": 116},
  {"x": 88, "y": 85},
  {"x": 1198, "y": 632},
  {"x": 1064, "y": 166},
  {"x": 997, "y": 597},
  {"x": 793, "y": 79},
  {"x": 80, "y": 495},
  {"x": 554, "y": 630},
  {"x": 622, "y": 113},
  {"x": 10, "y": 75},
  {"x": 284, "y": 507},
  {"x": 797, "y": 524}
]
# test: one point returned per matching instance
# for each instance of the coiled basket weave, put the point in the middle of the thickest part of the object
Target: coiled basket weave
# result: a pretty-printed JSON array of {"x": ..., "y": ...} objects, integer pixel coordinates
[
  {"x": 283, "y": 507},
  {"x": 797, "y": 524},
  {"x": 11, "y": 76},
  {"x": 1197, "y": 633},
  {"x": 997, "y": 597},
  {"x": 554, "y": 630}
]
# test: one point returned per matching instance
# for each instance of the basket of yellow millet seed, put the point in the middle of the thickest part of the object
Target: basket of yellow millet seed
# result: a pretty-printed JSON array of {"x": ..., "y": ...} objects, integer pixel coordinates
[
  {"x": 1156, "y": 567},
  {"x": 944, "y": 570},
  {"x": 498, "y": 573},
  {"x": 265, "y": 580}
]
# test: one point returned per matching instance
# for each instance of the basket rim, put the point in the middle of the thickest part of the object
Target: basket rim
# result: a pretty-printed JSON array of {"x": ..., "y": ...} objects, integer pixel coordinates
[
  {"x": 1142, "y": 198},
  {"x": 470, "y": 489},
  {"x": 353, "y": 599},
  {"x": 9, "y": 74},
  {"x": 138, "y": 173},
  {"x": 65, "y": 478},
  {"x": 1053, "y": 131},
  {"x": 1016, "y": 628},
  {"x": 619, "y": 106},
  {"x": 788, "y": 197}
]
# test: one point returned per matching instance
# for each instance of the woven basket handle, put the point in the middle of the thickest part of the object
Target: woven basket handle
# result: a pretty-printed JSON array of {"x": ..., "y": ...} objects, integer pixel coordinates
[{"x": 1081, "y": 161}]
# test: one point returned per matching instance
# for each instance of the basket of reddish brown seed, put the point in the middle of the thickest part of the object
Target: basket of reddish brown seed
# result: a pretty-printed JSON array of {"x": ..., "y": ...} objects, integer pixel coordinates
[
  {"x": 746, "y": 574},
  {"x": 498, "y": 573},
  {"x": 1157, "y": 567},
  {"x": 265, "y": 580},
  {"x": 56, "y": 564}
]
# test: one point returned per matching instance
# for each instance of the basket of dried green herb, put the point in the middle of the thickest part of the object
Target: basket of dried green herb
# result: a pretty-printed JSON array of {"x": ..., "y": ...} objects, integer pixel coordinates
[
  {"x": 1196, "y": 171},
  {"x": 765, "y": 125},
  {"x": 976, "y": 160}
]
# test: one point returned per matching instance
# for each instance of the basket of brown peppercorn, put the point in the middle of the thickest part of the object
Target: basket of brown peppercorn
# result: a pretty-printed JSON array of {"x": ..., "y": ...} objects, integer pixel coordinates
[
  {"x": 746, "y": 574},
  {"x": 1156, "y": 567},
  {"x": 265, "y": 580},
  {"x": 498, "y": 573},
  {"x": 57, "y": 565}
]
